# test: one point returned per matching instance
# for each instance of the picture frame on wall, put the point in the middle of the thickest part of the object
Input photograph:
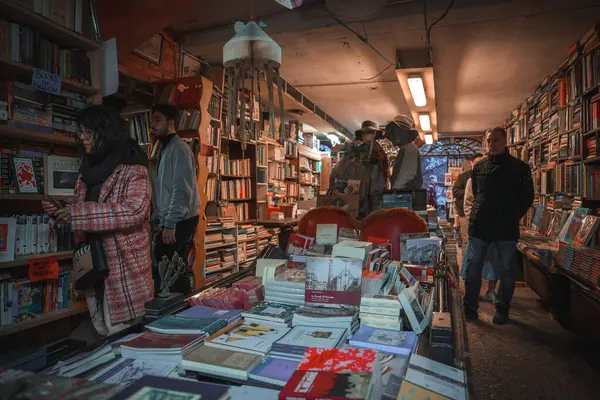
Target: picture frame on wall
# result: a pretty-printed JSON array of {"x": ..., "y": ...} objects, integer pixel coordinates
[
  {"x": 151, "y": 49},
  {"x": 190, "y": 65}
]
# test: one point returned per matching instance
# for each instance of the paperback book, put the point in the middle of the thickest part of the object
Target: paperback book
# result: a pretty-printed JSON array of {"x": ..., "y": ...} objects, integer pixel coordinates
[
  {"x": 387, "y": 340},
  {"x": 333, "y": 282},
  {"x": 294, "y": 344},
  {"x": 274, "y": 371},
  {"x": 250, "y": 338},
  {"x": 221, "y": 362}
]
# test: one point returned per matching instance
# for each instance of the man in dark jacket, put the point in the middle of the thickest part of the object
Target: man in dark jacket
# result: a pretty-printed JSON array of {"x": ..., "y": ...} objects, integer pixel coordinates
[{"x": 503, "y": 192}]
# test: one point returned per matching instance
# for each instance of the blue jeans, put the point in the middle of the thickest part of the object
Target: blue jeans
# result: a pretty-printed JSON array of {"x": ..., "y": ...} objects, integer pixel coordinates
[{"x": 506, "y": 269}]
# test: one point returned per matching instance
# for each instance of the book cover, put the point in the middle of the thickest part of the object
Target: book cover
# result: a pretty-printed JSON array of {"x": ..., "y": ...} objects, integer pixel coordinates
[
  {"x": 327, "y": 385},
  {"x": 24, "y": 174},
  {"x": 587, "y": 231},
  {"x": 125, "y": 371},
  {"x": 177, "y": 324},
  {"x": 203, "y": 311},
  {"x": 387, "y": 340},
  {"x": 60, "y": 174},
  {"x": 337, "y": 360},
  {"x": 230, "y": 359},
  {"x": 274, "y": 370},
  {"x": 271, "y": 312},
  {"x": 155, "y": 340},
  {"x": 312, "y": 336},
  {"x": 333, "y": 282},
  {"x": 249, "y": 337},
  {"x": 404, "y": 237},
  {"x": 298, "y": 244},
  {"x": 326, "y": 234},
  {"x": 154, "y": 387},
  {"x": 409, "y": 390}
]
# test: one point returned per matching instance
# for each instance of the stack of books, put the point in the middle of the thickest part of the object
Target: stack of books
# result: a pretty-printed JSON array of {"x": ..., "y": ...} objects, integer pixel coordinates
[
  {"x": 221, "y": 362},
  {"x": 160, "y": 346},
  {"x": 381, "y": 311},
  {"x": 244, "y": 295},
  {"x": 287, "y": 287},
  {"x": 183, "y": 325},
  {"x": 271, "y": 313},
  {"x": 230, "y": 316},
  {"x": 386, "y": 340},
  {"x": 249, "y": 338},
  {"x": 294, "y": 344},
  {"x": 345, "y": 318}
]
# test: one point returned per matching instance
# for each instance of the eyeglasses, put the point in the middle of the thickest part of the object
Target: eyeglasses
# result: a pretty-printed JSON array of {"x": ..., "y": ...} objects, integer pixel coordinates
[{"x": 84, "y": 134}]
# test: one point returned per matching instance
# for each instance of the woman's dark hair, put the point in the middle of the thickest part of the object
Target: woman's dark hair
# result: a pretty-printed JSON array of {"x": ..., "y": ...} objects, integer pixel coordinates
[
  {"x": 107, "y": 124},
  {"x": 170, "y": 112}
]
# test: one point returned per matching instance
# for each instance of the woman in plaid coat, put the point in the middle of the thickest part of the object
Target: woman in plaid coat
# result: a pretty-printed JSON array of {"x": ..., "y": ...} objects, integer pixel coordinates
[{"x": 110, "y": 211}]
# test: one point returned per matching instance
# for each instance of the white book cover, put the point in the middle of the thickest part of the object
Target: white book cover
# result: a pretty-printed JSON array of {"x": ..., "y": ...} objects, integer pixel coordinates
[
  {"x": 250, "y": 337},
  {"x": 414, "y": 312},
  {"x": 313, "y": 336},
  {"x": 60, "y": 174},
  {"x": 327, "y": 234}
]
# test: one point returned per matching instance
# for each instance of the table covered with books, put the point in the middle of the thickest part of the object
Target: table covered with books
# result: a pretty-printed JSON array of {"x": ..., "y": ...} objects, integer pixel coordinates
[
  {"x": 561, "y": 262},
  {"x": 337, "y": 318}
]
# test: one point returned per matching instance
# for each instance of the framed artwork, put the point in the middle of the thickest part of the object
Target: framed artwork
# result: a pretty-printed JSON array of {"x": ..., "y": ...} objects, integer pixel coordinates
[
  {"x": 151, "y": 49},
  {"x": 190, "y": 65},
  {"x": 24, "y": 175}
]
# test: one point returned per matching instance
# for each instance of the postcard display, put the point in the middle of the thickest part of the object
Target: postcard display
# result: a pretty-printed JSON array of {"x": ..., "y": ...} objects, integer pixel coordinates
[{"x": 346, "y": 324}]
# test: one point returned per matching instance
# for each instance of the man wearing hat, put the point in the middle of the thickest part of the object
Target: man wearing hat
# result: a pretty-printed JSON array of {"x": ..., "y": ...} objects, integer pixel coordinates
[
  {"x": 378, "y": 162},
  {"x": 406, "y": 173}
]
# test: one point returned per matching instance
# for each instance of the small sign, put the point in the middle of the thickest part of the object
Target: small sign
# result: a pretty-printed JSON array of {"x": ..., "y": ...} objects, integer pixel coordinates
[
  {"x": 43, "y": 268},
  {"x": 46, "y": 81}
]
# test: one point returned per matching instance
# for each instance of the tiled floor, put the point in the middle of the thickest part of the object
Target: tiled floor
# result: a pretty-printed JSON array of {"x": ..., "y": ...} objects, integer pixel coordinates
[{"x": 532, "y": 357}]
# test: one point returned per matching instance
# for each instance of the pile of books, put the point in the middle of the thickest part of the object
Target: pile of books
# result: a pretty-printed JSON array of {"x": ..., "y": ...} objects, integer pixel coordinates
[
  {"x": 381, "y": 312},
  {"x": 244, "y": 294},
  {"x": 154, "y": 346},
  {"x": 346, "y": 318},
  {"x": 287, "y": 287},
  {"x": 272, "y": 313}
]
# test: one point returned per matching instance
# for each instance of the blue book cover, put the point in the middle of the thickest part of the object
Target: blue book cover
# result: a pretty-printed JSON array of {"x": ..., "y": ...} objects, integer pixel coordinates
[
  {"x": 275, "y": 371},
  {"x": 202, "y": 311},
  {"x": 387, "y": 340}
]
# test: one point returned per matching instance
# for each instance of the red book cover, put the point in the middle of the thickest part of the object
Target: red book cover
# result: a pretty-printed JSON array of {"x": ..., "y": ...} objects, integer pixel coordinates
[
  {"x": 323, "y": 385},
  {"x": 155, "y": 340},
  {"x": 338, "y": 360}
]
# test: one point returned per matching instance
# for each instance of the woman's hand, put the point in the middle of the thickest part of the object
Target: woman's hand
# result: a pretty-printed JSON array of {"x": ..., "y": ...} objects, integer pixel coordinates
[
  {"x": 64, "y": 214},
  {"x": 49, "y": 208}
]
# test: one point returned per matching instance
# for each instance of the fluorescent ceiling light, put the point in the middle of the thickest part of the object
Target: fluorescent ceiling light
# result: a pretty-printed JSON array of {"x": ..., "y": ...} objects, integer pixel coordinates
[
  {"x": 428, "y": 138},
  {"x": 415, "y": 84},
  {"x": 424, "y": 121}
]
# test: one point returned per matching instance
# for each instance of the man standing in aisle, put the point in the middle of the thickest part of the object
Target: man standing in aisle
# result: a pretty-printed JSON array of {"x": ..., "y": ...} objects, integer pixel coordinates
[
  {"x": 503, "y": 192},
  {"x": 175, "y": 193},
  {"x": 458, "y": 194},
  {"x": 406, "y": 172}
]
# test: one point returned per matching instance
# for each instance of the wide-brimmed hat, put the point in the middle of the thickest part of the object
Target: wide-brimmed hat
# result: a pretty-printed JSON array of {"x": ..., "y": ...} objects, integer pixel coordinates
[
  {"x": 404, "y": 122},
  {"x": 368, "y": 126}
]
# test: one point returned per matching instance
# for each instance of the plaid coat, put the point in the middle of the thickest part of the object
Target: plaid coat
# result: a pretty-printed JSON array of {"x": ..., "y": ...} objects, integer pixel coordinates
[{"x": 122, "y": 215}]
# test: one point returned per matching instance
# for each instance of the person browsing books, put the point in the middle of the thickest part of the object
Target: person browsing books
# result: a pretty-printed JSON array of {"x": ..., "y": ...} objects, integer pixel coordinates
[
  {"x": 502, "y": 192},
  {"x": 461, "y": 221},
  {"x": 110, "y": 213},
  {"x": 175, "y": 194}
]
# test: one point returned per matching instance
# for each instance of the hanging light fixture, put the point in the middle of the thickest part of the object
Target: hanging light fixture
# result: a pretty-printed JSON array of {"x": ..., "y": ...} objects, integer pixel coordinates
[
  {"x": 248, "y": 57},
  {"x": 428, "y": 138}
]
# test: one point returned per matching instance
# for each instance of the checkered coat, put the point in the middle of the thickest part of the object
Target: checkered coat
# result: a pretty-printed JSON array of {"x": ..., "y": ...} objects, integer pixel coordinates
[{"x": 122, "y": 215}]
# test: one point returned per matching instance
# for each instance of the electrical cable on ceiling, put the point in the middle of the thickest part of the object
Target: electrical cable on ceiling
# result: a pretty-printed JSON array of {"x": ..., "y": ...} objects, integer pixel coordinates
[{"x": 428, "y": 28}]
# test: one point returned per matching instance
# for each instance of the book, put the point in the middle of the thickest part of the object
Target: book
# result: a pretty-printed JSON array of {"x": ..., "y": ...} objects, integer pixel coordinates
[
  {"x": 337, "y": 360},
  {"x": 202, "y": 311},
  {"x": 154, "y": 387},
  {"x": 125, "y": 371},
  {"x": 386, "y": 340},
  {"x": 312, "y": 385},
  {"x": 246, "y": 392},
  {"x": 436, "y": 377},
  {"x": 221, "y": 362},
  {"x": 274, "y": 371},
  {"x": 273, "y": 312},
  {"x": 409, "y": 390},
  {"x": 154, "y": 345},
  {"x": 249, "y": 338},
  {"x": 333, "y": 282},
  {"x": 181, "y": 325},
  {"x": 327, "y": 234},
  {"x": 296, "y": 341},
  {"x": 588, "y": 230}
]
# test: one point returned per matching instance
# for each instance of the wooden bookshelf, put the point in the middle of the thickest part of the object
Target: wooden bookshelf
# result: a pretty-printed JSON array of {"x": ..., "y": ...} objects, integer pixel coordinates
[
  {"x": 24, "y": 72},
  {"x": 49, "y": 29},
  {"x": 35, "y": 136},
  {"x": 24, "y": 260},
  {"x": 77, "y": 307}
]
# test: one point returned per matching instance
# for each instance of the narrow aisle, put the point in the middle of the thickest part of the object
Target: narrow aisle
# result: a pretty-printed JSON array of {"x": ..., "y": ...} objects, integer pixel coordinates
[{"x": 532, "y": 357}]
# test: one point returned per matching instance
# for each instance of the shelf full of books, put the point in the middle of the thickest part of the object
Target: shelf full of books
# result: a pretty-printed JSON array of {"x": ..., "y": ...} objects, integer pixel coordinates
[{"x": 557, "y": 128}]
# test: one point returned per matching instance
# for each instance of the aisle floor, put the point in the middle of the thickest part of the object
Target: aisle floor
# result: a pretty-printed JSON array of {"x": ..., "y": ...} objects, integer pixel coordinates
[{"x": 532, "y": 357}]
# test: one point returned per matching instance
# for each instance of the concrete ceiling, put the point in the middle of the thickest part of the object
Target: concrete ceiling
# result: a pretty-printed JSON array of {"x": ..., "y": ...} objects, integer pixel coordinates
[{"x": 489, "y": 55}]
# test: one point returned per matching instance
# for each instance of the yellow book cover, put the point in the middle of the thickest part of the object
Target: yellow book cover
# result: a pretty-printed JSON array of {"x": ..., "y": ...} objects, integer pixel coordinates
[{"x": 410, "y": 391}]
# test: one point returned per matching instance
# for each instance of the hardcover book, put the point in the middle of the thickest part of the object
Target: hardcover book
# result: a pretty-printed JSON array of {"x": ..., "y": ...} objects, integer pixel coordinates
[
  {"x": 154, "y": 387},
  {"x": 249, "y": 338},
  {"x": 333, "y": 282},
  {"x": 221, "y": 362},
  {"x": 275, "y": 312},
  {"x": 311, "y": 385},
  {"x": 177, "y": 324},
  {"x": 296, "y": 341}
]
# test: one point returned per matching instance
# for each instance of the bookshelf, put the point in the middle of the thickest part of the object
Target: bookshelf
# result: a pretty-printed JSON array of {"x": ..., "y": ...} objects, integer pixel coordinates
[
  {"x": 556, "y": 129},
  {"x": 81, "y": 84}
]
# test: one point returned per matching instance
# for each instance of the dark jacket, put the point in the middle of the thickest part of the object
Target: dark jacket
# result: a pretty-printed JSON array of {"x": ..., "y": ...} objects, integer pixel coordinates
[
  {"x": 458, "y": 191},
  {"x": 503, "y": 192}
]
